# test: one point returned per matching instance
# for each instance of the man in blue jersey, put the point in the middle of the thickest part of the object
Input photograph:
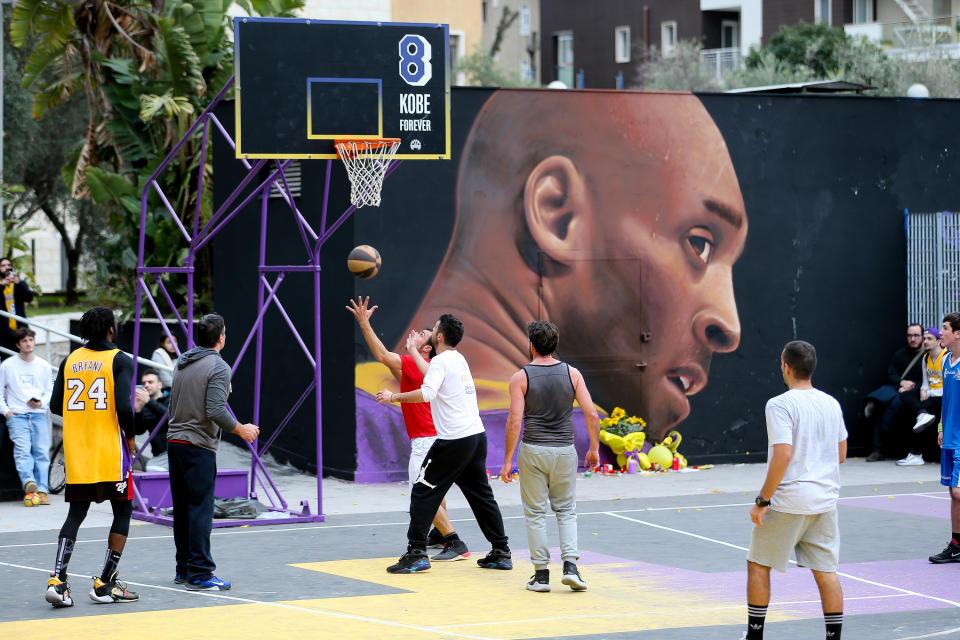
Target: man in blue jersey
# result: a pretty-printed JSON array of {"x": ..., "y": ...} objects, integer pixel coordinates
[{"x": 949, "y": 437}]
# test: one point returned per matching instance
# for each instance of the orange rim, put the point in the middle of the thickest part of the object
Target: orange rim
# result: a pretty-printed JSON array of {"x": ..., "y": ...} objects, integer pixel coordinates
[{"x": 364, "y": 145}]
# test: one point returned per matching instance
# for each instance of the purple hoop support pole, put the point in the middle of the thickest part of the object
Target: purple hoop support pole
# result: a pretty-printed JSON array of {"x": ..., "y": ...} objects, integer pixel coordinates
[{"x": 198, "y": 236}]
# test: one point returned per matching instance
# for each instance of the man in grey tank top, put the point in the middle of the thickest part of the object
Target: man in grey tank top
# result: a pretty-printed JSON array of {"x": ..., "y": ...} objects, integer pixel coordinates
[{"x": 541, "y": 400}]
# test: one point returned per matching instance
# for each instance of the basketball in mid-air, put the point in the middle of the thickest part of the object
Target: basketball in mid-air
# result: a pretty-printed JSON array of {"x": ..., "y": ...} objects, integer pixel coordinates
[{"x": 364, "y": 261}]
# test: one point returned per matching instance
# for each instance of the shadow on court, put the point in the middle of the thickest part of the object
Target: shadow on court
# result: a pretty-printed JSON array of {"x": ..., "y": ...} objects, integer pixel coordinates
[{"x": 674, "y": 565}]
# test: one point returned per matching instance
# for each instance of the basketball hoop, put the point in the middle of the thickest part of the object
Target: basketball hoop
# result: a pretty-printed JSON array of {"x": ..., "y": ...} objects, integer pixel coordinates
[{"x": 366, "y": 162}]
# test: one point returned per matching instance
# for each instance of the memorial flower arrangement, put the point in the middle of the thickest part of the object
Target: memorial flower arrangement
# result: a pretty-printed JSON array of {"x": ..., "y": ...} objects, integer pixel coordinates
[{"x": 627, "y": 439}]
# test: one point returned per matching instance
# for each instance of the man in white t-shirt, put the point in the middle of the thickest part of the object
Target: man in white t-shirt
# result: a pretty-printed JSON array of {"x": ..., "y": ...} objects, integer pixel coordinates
[
  {"x": 796, "y": 509},
  {"x": 26, "y": 383},
  {"x": 459, "y": 455}
]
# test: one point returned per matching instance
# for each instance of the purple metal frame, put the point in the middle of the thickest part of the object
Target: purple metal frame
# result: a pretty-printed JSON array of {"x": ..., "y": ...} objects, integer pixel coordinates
[{"x": 267, "y": 297}]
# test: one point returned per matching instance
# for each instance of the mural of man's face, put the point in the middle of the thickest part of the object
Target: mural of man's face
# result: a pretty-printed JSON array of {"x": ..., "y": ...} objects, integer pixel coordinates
[{"x": 660, "y": 286}]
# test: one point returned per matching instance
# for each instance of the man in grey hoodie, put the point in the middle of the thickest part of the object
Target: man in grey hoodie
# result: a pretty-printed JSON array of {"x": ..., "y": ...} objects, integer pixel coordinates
[{"x": 198, "y": 415}]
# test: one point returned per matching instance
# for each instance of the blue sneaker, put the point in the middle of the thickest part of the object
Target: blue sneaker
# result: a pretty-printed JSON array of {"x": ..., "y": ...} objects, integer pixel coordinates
[
  {"x": 412, "y": 561},
  {"x": 213, "y": 582},
  {"x": 179, "y": 579}
]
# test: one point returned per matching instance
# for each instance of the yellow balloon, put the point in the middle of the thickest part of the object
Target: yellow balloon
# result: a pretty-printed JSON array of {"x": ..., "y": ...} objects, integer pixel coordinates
[{"x": 661, "y": 455}]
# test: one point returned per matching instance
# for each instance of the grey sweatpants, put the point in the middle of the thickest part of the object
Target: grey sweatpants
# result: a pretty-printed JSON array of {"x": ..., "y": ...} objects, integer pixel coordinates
[{"x": 548, "y": 476}]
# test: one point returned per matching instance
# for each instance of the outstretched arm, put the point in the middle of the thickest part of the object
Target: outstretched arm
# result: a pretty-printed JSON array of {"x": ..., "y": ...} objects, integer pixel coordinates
[{"x": 362, "y": 313}]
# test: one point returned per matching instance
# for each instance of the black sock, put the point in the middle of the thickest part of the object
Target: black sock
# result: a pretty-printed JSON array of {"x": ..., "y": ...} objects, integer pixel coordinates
[
  {"x": 64, "y": 551},
  {"x": 110, "y": 563},
  {"x": 755, "y": 621},
  {"x": 451, "y": 537},
  {"x": 956, "y": 537},
  {"x": 834, "y": 622}
]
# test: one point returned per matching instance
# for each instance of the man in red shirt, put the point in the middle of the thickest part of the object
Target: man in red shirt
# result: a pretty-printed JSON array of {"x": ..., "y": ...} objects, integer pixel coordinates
[{"x": 416, "y": 417}]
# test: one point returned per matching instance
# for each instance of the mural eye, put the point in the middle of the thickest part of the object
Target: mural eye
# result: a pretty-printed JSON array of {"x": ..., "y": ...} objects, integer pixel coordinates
[{"x": 701, "y": 242}]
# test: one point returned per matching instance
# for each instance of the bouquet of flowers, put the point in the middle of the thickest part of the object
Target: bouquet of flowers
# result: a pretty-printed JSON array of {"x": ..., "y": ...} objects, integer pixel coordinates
[
  {"x": 623, "y": 434},
  {"x": 618, "y": 423}
]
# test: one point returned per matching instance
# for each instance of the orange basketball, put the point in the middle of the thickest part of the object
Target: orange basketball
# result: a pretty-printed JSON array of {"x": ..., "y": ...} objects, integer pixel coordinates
[{"x": 364, "y": 261}]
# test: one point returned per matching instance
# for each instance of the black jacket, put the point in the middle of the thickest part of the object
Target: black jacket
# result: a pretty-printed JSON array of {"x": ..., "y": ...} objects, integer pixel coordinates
[{"x": 901, "y": 358}]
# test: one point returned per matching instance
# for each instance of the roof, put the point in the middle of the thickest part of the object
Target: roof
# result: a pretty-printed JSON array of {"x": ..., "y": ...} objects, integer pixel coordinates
[{"x": 816, "y": 86}]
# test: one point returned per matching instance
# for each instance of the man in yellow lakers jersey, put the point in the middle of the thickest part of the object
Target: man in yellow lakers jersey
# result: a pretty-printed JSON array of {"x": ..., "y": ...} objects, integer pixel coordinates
[
  {"x": 925, "y": 407},
  {"x": 92, "y": 393}
]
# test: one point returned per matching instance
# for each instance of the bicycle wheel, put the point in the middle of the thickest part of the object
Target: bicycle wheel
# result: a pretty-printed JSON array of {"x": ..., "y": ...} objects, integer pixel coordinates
[{"x": 57, "y": 478}]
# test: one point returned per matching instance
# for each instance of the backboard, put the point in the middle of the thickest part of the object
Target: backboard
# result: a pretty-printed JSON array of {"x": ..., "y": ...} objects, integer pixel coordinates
[{"x": 301, "y": 84}]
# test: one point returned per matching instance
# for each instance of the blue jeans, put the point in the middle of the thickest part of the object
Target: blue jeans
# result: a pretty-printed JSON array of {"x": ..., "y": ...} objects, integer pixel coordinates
[{"x": 30, "y": 433}]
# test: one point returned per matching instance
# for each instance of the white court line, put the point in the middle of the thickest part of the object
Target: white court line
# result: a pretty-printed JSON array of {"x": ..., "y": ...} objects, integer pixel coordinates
[
  {"x": 839, "y": 573},
  {"x": 258, "y": 530},
  {"x": 622, "y": 613},
  {"x": 281, "y": 605},
  {"x": 936, "y": 634}
]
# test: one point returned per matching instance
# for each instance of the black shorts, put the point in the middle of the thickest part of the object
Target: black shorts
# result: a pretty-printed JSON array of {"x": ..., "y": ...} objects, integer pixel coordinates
[{"x": 100, "y": 491}]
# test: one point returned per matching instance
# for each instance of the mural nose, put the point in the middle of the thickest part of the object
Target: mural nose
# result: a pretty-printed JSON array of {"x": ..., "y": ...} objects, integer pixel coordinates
[{"x": 717, "y": 326}]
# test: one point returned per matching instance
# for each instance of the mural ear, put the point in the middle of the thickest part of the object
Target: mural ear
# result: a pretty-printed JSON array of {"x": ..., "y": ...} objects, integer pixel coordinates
[{"x": 557, "y": 208}]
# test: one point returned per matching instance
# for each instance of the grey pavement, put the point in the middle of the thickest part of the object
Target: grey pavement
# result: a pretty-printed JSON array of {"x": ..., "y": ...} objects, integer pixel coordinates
[{"x": 342, "y": 498}]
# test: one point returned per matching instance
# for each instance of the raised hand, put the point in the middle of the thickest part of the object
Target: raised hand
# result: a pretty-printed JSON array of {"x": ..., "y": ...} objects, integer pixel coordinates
[{"x": 359, "y": 309}]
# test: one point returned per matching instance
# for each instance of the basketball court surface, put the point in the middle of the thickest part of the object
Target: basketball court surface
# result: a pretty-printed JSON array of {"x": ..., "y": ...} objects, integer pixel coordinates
[{"x": 672, "y": 564}]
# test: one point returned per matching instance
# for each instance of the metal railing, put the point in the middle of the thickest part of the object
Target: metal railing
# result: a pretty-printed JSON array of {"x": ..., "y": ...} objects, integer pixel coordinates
[
  {"x": 933, "y": 266},
  {"x": 153, "y": 364},
  {"x": 925, "y": 32},
  {"x": 721, "y": 62}
]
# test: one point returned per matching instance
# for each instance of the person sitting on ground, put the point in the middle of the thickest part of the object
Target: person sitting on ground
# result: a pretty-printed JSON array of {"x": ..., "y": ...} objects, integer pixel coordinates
[
  {"x": 904, "y": 375},
  {"x": 925, "y": 407}
]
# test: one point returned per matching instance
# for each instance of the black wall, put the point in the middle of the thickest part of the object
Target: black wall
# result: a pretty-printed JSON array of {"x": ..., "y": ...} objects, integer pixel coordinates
[
  {"x": 825, "y": 182},
  {"x": 286, "y": 371}
]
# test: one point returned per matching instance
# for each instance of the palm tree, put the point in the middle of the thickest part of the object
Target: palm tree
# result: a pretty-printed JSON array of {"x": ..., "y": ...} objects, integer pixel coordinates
[{"x": 146, "y": 69}]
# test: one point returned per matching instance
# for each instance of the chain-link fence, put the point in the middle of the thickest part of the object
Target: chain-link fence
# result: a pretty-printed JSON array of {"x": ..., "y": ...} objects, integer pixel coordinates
[{"x": 933, "y": 266}]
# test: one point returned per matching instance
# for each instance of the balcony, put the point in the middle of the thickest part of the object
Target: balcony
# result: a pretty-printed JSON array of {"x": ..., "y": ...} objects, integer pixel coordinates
[
  {"x": 905, "y": 38},
  {"x": 721, "y": 62}
]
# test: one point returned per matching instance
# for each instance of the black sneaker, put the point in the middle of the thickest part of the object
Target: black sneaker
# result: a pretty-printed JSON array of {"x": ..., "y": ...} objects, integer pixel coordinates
[
  {"x": 539, "y": 581},
  {"x": 110, "y": 592},
  {"x": 950, "y": 554},
  {"x": 58, "y": 593},
  {"x": 434, "y": 539},
  {"x": 412, "y": 561},
  {"x": 572, "y": 577},
  {"x": 876, "y": 456},
  {"x": 496, "y": 559},
  {"x": 180, "y": 578},
  {"x": 454, "y": 550}
]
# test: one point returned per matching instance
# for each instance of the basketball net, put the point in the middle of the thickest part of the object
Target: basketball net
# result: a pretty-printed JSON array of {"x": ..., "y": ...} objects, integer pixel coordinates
[{"x": 366, "y": 162}]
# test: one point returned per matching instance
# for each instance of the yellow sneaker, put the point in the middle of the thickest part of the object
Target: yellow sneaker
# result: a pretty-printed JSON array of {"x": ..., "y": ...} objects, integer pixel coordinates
[
  {"x": 113, "y": 591},
  {"x": 58, "y": 593},
  {"x": 44, "y": 498}
]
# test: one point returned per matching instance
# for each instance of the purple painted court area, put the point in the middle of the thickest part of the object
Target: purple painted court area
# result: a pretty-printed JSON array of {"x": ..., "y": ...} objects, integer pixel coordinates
[
  {"x": 383, "y": 447},
  {"x": 920, "y": 504},
  {"x": 795, "y": 591}
]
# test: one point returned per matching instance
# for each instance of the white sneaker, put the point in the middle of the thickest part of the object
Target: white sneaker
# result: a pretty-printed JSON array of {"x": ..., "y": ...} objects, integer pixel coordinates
[
  {"x": 923, "y": 421},
  {"x": 912, "y": 460}
]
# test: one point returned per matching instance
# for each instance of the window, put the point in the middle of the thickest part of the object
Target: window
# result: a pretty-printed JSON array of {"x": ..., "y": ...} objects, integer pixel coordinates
[
  {"x": 456, "y": 54},
  {"x": 484, "y": 11},
  {"x": 668, "y": 37},
  {"x": 526, "y": 71},
  {"x": 565, "y": 58},
  {"x": 862, "y": 11},
  {"x": 729, "y": 34},
  {"x": 524, "y": 19},
  {"x": 621, "y": 44},
  {"x": 821, "y": 11},
  {"x": 941, "y": 8}
]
